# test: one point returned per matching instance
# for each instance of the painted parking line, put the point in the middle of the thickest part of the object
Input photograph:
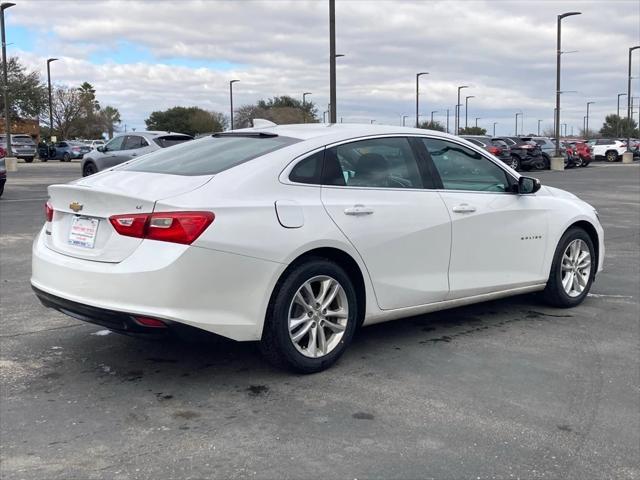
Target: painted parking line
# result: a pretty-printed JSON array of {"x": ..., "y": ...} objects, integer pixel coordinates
[{"x": 25, "y": 200}]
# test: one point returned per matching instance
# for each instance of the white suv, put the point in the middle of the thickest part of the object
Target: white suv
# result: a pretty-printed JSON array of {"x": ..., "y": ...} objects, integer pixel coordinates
[{"x": 608, "y": 148}]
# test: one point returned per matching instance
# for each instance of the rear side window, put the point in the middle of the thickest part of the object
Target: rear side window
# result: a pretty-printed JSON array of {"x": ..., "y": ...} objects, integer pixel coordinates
[
  {"x": 171, "y": 140},
  {"x": 208, "y": 155},
  {"x": 308, "y": 170},
  {"x": 378, "y": 163}
]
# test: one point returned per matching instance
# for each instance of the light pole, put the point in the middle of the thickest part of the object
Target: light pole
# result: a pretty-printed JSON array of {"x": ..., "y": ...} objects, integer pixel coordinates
[
  {"x": 494, "y": 128},
  {"x": 7, "y": 123},
  {"x": 434, "y": 111},
  {"x": 618, "y": 113},
  {"x": 629, "y": 99},
  {"x": 304, "y": 106},
  {"x": 404, "y": 117},
  {"x": 478, "y": 118},
  {"x": 516, "y": 134},
  {"x": 418, "y": 75},
  {"x": 324, "y": 116},
  {"x": 231, "y": 100},
  {"x": 587, "y": 124},
  {"x": 539, "y": 127},
  {"x": 558, "y": 54},
  {"x": 332, "y": 61},
  {"x": 466, "y": 110},
  {"x": 458, "y": 109},
  {"x": 49, "y": 60},
  {"x": 565, "y": 129}
]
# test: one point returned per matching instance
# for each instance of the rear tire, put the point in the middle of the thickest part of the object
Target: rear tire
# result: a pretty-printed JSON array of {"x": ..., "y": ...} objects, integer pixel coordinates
[
  {"x": 89, "y": 169},
  {"x": 561, "y": 290},
  {"x": 66, "y": 157},
  {"x": 28, "y": 159},
  {"x": 296, "y": 315},
  {"x": 577, "y": 161},
  {"x": 515, "y": 163},
  {"x": 611, "y": 156}
]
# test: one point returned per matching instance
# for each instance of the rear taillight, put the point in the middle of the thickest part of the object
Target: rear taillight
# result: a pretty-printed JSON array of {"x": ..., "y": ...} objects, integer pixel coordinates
[
  {"x": 494, "y": 150},
  {"x": 175, "y": 227},
  {"x": 48, "y": 211},
  {"x": 75, "y": 149},
  {"x": 527, "y": 147}
]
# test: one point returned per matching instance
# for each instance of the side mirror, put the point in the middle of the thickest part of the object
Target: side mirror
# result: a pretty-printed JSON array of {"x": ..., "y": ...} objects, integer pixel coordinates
[
  {"x": 102, "y": 148},
  {"x": 528, "y": 185}
]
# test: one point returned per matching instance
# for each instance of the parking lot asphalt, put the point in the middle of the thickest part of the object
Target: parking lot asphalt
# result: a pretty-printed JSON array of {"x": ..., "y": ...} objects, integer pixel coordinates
[{"x": 505, "y": 389}]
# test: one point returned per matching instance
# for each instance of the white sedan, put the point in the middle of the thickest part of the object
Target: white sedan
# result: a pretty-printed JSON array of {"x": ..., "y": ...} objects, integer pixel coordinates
[{"x": 296, "y": 235}]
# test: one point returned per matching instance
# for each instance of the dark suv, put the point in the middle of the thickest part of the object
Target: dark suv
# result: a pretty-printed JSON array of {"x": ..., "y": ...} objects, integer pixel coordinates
[
  {"x": 495, "y": 146},
  {"x": 526, "y": 154}
]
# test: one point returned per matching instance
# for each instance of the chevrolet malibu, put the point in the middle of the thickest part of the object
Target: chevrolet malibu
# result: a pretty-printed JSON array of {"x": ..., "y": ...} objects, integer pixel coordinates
[{"x": 294, "y": 236}]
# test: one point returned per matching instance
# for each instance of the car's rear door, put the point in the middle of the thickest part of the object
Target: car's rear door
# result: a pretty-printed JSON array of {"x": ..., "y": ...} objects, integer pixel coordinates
[
  {"x": 378, "y": 193},
  {"x": 499, "y": 238}
]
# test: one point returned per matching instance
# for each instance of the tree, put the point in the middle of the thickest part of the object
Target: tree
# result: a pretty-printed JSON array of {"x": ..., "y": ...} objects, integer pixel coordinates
[
  {"x": 473, "y": 131},
  {"x": 27, "y": 94},
  {"x": 189, "y": 120},
  {"x": 91, "y": 124},
  {"x": 282, "y": 110},
  {"x": 614, "y": 126},
  {"x": 110, "y": 117},
  {"x": 67, "y": 110},
  {"x": 433, "y": 126}
]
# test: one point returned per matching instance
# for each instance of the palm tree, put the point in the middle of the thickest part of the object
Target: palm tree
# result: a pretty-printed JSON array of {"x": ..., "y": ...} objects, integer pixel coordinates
[{"x": 110, "y": 117}]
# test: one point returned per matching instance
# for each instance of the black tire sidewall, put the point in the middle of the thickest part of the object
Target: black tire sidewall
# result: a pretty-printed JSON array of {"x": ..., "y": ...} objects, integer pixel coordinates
[
  {"x": 556, "y": 268},
  {"x": 87, "y": 167},
  {"x": 280, "y": 315},
  {"x": 66, "y": 157}
]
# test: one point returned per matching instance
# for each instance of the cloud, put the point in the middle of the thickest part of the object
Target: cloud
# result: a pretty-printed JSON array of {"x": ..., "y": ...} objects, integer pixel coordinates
[{"x": 144, "y": 56}]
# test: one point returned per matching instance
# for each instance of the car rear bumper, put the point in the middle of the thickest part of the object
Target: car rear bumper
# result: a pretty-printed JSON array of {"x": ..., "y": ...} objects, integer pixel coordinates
[{"x": 220, "y": 292}]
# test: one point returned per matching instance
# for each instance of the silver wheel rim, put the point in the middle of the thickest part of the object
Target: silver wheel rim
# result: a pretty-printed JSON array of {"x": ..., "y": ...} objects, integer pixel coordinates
[
  {"x": 318, "y": 316},
  {"x": 514, "y": 164},
  {"x": 576, "y": 268}
]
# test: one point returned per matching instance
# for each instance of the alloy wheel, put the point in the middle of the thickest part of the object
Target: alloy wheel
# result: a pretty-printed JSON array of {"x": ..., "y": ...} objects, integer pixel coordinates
[
  {"x": 318, "y": 316},
  {"x": 576, "y": 268},
  {"x": 612, "y": 156}
]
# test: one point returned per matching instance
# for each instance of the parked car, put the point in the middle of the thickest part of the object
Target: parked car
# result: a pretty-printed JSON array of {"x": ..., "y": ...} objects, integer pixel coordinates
[
  {"x": 66, "y": 151},
  {"x": 94, "y": 144},
  {"x": 124, "y": 147},
  {"x": 3, "y": 170},
  {"x": 581, "y": 153},
  {"x": 494, "y": 146},
  {"x": 22, "y": 146},
  {"x": 295, "y": 235},
  {"x": 608, "y": 148},
  {"x": 526, "y": 154}
]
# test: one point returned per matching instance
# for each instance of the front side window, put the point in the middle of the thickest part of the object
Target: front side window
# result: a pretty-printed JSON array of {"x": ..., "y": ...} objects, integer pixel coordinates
[
  {"x": 134, "y": 142},
  {"x": 461, "y": 168},
  {"x": 115, "y": 144},
  {"x": 378, "y": 163}
]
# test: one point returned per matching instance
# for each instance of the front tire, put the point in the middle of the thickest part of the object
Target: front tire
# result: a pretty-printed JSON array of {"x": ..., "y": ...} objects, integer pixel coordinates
[
  {"x": 572, "y": 271},
  {"x": 66, "y": 157},
  {"x": 89, "y": 169},
  {"x": 578, "y": 161},
  {"x": 28, "y": 159},
  {"x": 515, "y": 163},
  {"x": 311, "y": 318}
]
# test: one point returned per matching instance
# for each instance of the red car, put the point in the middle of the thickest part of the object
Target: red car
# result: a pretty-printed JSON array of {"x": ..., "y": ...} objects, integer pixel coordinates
[{"x": 581, "y": 152}]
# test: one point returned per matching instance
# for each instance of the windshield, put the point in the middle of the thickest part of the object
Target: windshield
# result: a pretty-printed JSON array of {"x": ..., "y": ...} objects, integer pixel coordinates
[{"x": 209, "y": 155}]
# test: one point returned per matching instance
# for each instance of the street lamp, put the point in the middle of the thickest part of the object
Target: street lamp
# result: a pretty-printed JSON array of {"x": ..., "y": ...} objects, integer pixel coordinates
[
  {"x": 49, "y": 60},
  {"x": 418, "y": 75},
  {"x": 231, "y": 99},
  {"x": 435, "y": 111},
  {"x": 539, "y": 127},
  {"x": 458, "y": 109},
  {"x": 477, "y": 118},
  {"x": 332, "y": 60},
  {"x": 519, "y": 113},
  {"x": 494, "y": 128},
  {"x": 629, "y": 99},
  {"x": 466, "y": 109},
  {"x": 558, "y": 54},
  {"x": 586, "y": 132},
  {"x": 447, "y": 120},
  {"x": 304, "y": 105},
  {"x": 7, "y": 123},
  {"x": 404, "y": 117},
  {"x": 618, "y": 113},
  {"x": 324, "y": 116}
]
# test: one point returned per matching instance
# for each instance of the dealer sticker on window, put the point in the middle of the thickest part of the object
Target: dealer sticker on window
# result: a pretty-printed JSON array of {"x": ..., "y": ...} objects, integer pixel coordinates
[{"x": 83, "y": 231}]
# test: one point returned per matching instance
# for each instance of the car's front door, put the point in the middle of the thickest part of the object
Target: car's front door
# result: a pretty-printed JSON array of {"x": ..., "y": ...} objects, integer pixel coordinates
[
  {"x": 378, "y": 193},
  {"x": 111, "y": 154},
  {"x": 133, "y": 146},
  {"x": 499, "y": 237}
]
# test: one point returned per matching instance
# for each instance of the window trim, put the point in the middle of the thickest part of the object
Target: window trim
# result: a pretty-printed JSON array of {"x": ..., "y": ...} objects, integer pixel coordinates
[{"x": 510, "y": 178}]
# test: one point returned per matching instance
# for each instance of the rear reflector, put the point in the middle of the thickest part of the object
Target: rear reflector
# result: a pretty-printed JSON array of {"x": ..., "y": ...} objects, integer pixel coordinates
[
  {"x": 48, "y": 211},
  {"x": 150, "y": 322},
  {"x": 175, "y": 227}
]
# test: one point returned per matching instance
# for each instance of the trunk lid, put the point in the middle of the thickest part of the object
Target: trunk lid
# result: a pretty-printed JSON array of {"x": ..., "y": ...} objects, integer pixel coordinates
[{"x": 80, "y": 227}]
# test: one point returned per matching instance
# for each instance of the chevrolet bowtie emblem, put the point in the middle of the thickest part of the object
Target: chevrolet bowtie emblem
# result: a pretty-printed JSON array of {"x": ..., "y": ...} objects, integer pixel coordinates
[{"x": 75, "y": 206}]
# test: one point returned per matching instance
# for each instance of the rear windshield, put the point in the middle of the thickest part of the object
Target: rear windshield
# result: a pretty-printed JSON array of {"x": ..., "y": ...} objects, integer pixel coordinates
[
  {"x": 208, "y": 156},
  {"x": 171, "y": 140},
  {"x": 25, "y": 140}
]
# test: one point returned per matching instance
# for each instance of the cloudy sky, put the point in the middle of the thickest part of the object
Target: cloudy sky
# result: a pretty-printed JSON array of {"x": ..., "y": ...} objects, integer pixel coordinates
[{"x": 143, "y": 56}]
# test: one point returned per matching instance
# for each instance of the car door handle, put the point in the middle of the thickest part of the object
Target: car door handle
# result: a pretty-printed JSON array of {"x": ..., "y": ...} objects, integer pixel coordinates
[
  {"x": 464, "y": 208},
  {"x": 358, "y": 210},
  {"x": 134, "y": 154}
]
